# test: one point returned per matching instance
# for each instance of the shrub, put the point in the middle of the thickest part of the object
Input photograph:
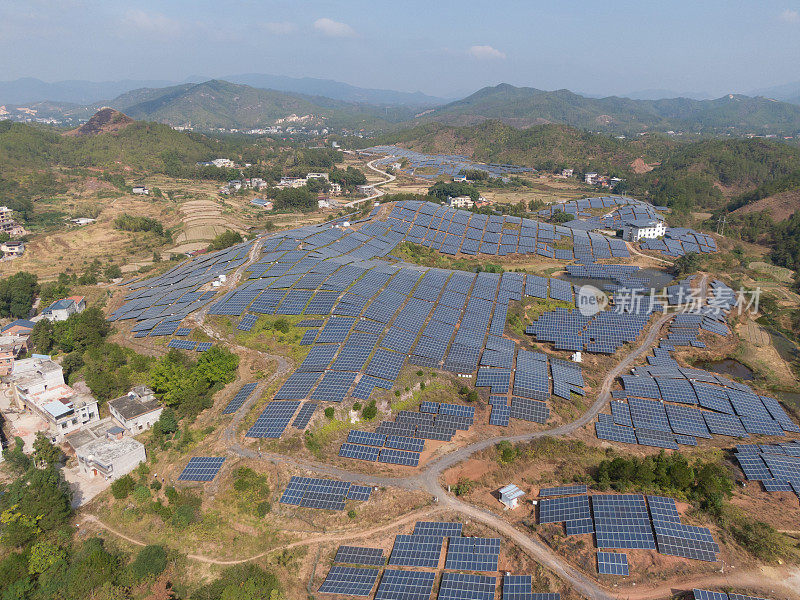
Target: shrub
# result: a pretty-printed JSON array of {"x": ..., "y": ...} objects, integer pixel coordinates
[
  {"x": 151, "y": 560},
  {"x": 329, "y": 412},
  {"x": 122, "y": 487},
  {"x": 141, "y": 493},
  {"x": 183, "y": 516},
  {"x": 370, "y": 411}
]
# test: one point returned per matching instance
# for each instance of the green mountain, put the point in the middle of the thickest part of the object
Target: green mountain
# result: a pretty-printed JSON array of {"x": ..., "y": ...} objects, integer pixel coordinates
[
  {"x": 549, "y": 147},
  {"x": 220, "y": 104},
  {"x": 523, "y": 107}
]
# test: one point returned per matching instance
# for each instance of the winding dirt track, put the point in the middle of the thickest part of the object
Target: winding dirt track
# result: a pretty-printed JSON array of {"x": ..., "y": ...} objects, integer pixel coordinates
[{"x": 428, "y": 478}]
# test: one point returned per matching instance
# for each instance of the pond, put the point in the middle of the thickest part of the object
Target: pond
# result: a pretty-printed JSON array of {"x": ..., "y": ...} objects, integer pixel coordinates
[{"x": 729, "y": 367}]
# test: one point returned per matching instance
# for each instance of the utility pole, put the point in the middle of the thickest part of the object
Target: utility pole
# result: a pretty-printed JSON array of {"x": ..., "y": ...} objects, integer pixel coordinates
[{"x": 721, "y": 224}]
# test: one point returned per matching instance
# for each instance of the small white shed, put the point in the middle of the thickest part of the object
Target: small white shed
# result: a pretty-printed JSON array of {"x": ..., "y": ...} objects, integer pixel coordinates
[{"x": 510, "y": 495}]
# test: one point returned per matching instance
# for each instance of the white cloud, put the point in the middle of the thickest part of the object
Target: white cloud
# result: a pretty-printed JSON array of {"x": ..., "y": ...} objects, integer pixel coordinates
[
  {"x": 151, "y": 22},
  {"x": 333, "y": 28},
  {"x": 281, "y": 28},
  {"x": 486, "y": 53},
  {"x": 790, "y": 16}
]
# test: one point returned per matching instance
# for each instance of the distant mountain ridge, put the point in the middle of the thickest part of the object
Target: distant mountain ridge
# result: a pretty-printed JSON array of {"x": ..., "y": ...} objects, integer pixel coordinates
[
  {"x": 524, "y": 107},
  {"x": 28, "y": 90}
]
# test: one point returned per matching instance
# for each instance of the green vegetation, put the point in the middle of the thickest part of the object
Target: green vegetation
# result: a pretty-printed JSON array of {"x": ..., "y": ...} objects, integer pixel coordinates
[
  {"x": 302, "y": 198},
  {"x": 241, "y": 582},
  {"x": 108, "y": 369},
  {"x": 188, "y": 386},
  {"x": 524, "y": 106},
  {"x": 252, "y": 492},
  {"x": 126, "y": 222},
  {"x": 226, "y": 239},
  {"x": 443, "y": 191},
  {"x": 706, "y": 483},
  {"x": 348, "y": 178},
  {"x": 17, "y": 294}
]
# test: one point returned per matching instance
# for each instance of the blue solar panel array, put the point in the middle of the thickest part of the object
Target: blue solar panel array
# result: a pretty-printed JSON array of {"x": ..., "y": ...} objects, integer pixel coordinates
[
  {"x": 324, "y": 494},
  {"x": 202, "y": 468}
]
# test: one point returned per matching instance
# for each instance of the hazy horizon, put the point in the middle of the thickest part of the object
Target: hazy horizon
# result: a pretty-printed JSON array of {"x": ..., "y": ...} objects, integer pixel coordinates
[{"x": 444, "y": 49}]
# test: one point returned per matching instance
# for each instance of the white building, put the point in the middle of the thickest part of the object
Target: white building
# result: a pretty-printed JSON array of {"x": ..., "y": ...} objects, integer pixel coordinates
[
  {"x": 37, "y": 385},
  {"x": 567, "y": 172},
  {"x": 590, "y": 178},
  {"x": 61, "y": 310},
  {"x": 317, "y": 176},
  {"x": 510, "y": 495},
  {"x": 136, "y": 411},
  {"x": 81, "y": 221},
  {"x": 12, "y": 249},
  {"x": 460, "y": 202},
  {"x": 140, "y": 190},
  {"x": 364, "y": 189},
  {"x": 106, "y": 450},
  {"x": 645, "y": 229}
]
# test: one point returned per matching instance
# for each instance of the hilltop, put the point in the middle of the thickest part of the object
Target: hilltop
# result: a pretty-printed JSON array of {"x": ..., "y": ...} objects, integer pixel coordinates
[
  {"x": 105, "y": 120},
  {"x": 524, "y": 107}
]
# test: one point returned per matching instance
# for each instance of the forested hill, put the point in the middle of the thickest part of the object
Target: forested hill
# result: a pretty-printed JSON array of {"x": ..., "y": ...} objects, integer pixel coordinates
[
  {"x": 523, "y": 107},
  {"x": 543, "y": 147},
  {"x": 705, "y": 174},
  {"x": 221, "y": 104}
]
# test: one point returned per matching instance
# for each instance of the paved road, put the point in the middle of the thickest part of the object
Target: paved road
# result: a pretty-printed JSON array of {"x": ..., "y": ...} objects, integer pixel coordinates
[{"x": 378, "y": 192}]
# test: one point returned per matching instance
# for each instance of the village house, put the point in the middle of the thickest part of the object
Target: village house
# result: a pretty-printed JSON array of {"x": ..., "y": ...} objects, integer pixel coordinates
[
  {"x": 12, "y": 249},
  {"x": 8, "y": 224},
  {"x": 81, "y": 221},
  {"x": 12, "y": 347},
  {"x": 364, "y": 189},
  {"x": 61, "y": 310},
  {"x": 38, "y": 386},
  {"x": 18, "y": 327},
  {"x": 460, "y": 202},
  {"x": 262, "y": 203},
  {"x": 136, "y": 411},
  {"x": 644, "y": 229},
  {"x": 140, "y": 190},
  {"x": 104, "y": 449}
]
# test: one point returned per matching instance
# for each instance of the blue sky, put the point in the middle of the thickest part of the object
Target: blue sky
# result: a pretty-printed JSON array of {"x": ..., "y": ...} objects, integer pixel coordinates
[{"x": 440, "y": 47}]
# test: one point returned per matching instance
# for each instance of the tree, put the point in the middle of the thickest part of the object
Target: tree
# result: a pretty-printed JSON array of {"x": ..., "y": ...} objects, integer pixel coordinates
[
  {"x": 687, "y": 264},
  {"x": 151, "y": 560},
  {"x": 45, "y": 452},
  {"x": 226, "y": 239},
  {"x": 44, "y": 556},
  {"x": 17, "y": 293},
  {"x": 16, "y": 458},
  {"x": 559, "y": 216},
  {"x": 122, "y": 487},
  {"x": 443, "y": 190}
]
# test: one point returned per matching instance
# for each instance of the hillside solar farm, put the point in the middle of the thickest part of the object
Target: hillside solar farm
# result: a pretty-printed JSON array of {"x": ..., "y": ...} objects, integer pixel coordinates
[{"x": 365, "y": 318}]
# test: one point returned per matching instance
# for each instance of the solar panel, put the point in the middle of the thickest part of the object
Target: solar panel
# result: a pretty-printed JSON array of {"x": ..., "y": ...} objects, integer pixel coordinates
[
  {"x": 201, "y": 468},
  {"x": 709, "y": 595},
  {"x": 416, "y": 551},
  {"x": 463, "y": 586},
  {"x": 182, "y": 344},
  {"x": 405, "y": 585},
  {"x": 569, "y": 508},
  {"x": 273, "y": 420},
  {"x": 399, "y": 457},
  {"x": 356, "y": 451},
  {"x": 356, "y": 555},
  {"x": 517, "y": 587},
  {"x": 203, "y": 346},
  {"x": 304, "y": 415},
  {"x": 564, "y": 490},
  {"x": 246, "y": 323},
  {"x": 472, "y": 554},
  {"x": 437, "y": 528},
  {"x": 349, "y": 581},
  {"x": 612, "y": 563},
  {"x": 239, "y": 399},
  {"x": 359, "y": 492}
]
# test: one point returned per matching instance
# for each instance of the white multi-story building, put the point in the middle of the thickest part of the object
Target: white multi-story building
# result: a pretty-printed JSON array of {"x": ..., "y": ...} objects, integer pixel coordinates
[
  {"x": 645, "y": 229},
  {"x": 38, "y": 386},
  {"x": 460, "y": 202}
]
